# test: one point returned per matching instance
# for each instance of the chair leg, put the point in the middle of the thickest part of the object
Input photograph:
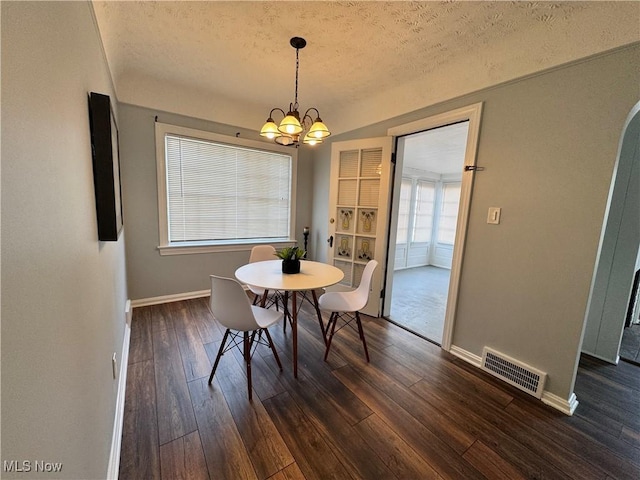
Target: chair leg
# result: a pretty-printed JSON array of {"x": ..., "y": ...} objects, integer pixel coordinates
[
  {"x": 285, "y": 308},
  {"x": 247, "y": 359},
  {"x": 273, "y": 347},
  {"x": 315, "y": 304},
  {"x": 327, "y": 330},
  {"x": 361, "y": 331},
  {"x": 333, "y": 319},
  {"x": 220, "y": 350}
]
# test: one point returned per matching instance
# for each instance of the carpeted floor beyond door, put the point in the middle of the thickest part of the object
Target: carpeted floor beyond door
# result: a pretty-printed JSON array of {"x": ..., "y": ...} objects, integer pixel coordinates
[{"x": 419, "y": 300}]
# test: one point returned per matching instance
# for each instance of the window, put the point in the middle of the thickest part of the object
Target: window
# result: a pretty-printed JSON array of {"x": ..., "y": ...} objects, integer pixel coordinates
[
  {"x": 425, "y": 202},
  {"x": 218, "y": 193},
  {"x": 449, "y": 213},
  {"x": 404, "y": 211}
]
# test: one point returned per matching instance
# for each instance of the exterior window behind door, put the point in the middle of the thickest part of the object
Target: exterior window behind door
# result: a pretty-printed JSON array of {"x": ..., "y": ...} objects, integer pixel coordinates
[{"x": 449, "y": 213}]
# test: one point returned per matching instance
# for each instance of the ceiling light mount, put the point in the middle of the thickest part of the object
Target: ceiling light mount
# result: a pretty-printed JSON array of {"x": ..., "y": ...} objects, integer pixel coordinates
[
  {"x": 298, "y": 43},
  {"x": 293, "y": 126}
]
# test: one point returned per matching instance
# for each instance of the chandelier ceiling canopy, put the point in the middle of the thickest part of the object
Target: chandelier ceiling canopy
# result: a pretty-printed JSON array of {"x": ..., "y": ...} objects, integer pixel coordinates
[{"x": 293, "y": 126}]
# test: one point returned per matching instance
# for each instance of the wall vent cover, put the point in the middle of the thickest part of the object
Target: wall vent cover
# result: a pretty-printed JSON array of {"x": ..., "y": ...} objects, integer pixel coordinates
[{"x": 514, "y": 372}]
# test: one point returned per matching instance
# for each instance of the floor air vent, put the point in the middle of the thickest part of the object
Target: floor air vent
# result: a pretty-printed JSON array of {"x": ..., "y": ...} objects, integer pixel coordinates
[{"x": 514, "y": 372}]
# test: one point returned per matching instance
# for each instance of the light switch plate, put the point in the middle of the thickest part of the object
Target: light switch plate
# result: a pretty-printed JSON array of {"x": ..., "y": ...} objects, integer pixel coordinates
[{"x": 494, "y": 215}]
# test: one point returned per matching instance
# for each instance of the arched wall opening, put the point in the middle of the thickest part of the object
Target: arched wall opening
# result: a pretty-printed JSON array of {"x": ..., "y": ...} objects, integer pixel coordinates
[{"x": 618, "y": 251}]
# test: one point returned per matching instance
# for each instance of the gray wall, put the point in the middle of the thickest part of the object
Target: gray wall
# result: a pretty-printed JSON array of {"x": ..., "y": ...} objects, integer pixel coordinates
[
  {"x": 548, "y": 144},
  {"x": 150, "y": 274},
  {"x": 63, "y": 291}
]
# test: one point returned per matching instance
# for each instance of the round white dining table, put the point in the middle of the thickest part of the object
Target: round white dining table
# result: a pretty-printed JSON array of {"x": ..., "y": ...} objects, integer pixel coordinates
[{"x": 313, "y": 275}]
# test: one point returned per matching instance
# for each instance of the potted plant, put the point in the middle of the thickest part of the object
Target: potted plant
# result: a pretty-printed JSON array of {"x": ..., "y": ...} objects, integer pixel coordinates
[{"x": 290, "y": 259}]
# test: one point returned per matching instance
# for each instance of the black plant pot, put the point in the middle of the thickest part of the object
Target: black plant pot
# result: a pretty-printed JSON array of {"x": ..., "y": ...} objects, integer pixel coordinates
[{"x": 290, "y": 266}]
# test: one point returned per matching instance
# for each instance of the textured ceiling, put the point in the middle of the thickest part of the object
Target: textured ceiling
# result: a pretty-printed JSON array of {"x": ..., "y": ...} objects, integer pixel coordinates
[
  {"x": 439, "y": 150},
  {"x": 365, "y": 62}
]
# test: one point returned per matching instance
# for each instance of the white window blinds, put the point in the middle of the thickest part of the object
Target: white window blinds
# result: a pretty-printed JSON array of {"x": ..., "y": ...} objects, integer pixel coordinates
[
  {"x": 425, "y": 202},
  {"x": 221, "y": 193},
  {"x": 404, "y": 210},
  {"x": 449, "y": 213}
]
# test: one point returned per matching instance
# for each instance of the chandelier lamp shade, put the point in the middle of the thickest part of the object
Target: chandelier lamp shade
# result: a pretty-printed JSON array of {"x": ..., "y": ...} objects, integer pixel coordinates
[{"x": 293, "y": 127}]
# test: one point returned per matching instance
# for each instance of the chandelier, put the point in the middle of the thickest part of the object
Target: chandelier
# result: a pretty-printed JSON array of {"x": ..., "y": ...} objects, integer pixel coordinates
[{"x": 292, "y": 126}]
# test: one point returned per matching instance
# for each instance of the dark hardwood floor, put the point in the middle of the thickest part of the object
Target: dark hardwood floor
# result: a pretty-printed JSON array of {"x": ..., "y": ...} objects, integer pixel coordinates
[{"x": 414, "y": 412}]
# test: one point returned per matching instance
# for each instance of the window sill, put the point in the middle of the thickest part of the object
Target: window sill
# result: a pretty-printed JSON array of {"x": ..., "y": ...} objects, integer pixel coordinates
[{"x": 198, "y": 248}]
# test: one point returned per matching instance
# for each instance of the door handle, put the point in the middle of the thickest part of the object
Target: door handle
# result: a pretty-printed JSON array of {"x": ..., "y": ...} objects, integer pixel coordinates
[{"x": 330, "y": 241}]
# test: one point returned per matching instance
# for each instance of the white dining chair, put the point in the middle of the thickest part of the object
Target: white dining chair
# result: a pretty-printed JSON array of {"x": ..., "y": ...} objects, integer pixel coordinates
[
  {"x": 244, "y": 323},
  {"x": 345, "y": 306},
  {"x": 261, "y": 253}
]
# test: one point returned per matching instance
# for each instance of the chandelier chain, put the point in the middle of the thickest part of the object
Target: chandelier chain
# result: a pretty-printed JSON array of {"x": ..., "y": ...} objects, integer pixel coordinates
[{"x": 297, "y": 64}]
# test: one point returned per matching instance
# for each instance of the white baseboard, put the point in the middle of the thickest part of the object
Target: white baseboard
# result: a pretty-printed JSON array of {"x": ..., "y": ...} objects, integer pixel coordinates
[
  {"x": 176, "y": 297},
  {"x": 116, "y": 439},
  {"x": 565, "y": 406},
  {"x": 128, "y": 308},
  {"x": 468, "y": 357}
]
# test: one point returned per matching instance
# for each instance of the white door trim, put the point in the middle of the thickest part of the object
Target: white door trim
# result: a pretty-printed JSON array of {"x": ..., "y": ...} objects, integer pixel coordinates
[{"x": 472, "y": 113}]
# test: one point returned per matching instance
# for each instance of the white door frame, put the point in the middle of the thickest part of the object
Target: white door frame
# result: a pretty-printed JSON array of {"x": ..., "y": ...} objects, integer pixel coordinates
[
  {"x": 618, "y": 252},
  {"x": 472, "y": 113}
]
